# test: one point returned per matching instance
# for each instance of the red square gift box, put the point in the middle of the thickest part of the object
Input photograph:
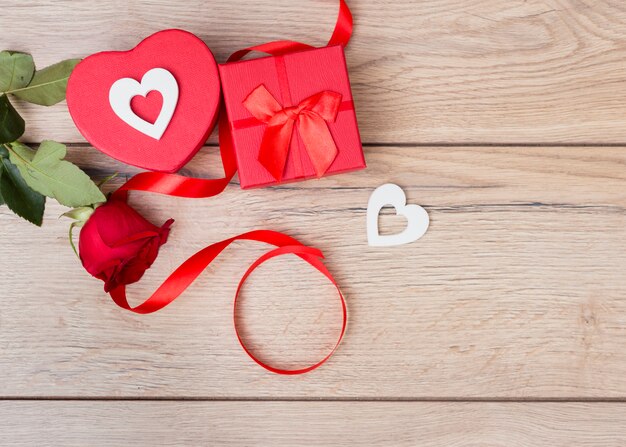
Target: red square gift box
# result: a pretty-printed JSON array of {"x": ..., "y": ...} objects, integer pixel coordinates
[{"x": 291, "y": 117}]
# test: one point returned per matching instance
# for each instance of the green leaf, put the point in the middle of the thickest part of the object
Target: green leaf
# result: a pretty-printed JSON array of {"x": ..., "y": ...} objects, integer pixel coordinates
[
  {"x": 16, "y": 70},
  {"x": 18, "y": 152},
  {"x": 18, "y": 196},
  {"x": 11, "y": 123},
  {"x": 21, "y": 150},
  {"x": 48, "y": 85},
  {"x": 47, "y": 173}
]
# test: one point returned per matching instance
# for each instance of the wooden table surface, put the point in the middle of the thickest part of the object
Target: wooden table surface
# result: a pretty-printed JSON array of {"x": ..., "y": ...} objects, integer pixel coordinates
[{"x": 505, "y": 325}]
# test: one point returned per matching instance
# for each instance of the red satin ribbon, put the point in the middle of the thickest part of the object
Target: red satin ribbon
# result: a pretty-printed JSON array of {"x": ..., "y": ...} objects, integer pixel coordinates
[
  {"x": 315, "y": 109},
  {"x": 310, "y": 115},
  {"x": 189, "y": 270}
]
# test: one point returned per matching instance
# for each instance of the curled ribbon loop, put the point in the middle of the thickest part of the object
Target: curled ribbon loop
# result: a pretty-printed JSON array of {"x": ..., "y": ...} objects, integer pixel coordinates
[
  {"x": 313, "y": 257},
  {"x": 311, "y": 116},
  {"x": 189, "y": 270}
]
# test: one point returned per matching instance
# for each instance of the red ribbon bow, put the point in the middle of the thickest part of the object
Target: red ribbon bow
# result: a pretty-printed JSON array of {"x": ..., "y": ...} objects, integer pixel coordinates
[{"x": 311, "y": 115}]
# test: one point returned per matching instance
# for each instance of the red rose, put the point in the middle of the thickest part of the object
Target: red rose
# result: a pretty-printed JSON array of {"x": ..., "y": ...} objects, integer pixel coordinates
[{"x": 117, "y": 245}]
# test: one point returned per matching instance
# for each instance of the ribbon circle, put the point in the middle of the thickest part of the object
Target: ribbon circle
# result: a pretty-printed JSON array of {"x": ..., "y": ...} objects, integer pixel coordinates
[{"x": 311, "y": 256}]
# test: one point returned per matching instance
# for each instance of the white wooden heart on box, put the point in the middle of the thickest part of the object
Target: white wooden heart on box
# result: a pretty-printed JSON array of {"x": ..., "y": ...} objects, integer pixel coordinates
[
  {"x": 416, "y": 216},
  {"x": 123, "y": 90}
]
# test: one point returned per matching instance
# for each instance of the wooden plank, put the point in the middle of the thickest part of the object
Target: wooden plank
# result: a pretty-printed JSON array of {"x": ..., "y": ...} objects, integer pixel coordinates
[
  {"x": 434, "y": 71},
  {"x": 516, "y": 291},
  {"x": 397, "y": 424}
]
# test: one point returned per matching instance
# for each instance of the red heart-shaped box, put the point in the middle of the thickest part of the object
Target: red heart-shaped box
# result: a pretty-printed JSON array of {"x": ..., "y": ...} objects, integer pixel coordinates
[{"x": 120, "y": 126}]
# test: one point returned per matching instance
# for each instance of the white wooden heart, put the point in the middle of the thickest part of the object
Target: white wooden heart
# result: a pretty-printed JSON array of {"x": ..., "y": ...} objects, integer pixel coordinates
[
  {"x": 123, "y": 90},
  {"x": 416, "y": 216}
]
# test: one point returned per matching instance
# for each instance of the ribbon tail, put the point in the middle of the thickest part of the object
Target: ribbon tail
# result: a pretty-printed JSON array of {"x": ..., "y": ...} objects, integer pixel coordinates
[
  {"x": 275, "y": 147},
  {"x": 318, "y": 141}
]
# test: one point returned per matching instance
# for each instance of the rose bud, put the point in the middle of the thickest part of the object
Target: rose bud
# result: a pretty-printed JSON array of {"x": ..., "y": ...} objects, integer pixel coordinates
[{"x": 117, "y": 245}]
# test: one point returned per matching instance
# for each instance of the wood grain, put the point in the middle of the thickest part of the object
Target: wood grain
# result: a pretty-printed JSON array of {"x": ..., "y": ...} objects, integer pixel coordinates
[
  {"x": 505, "y": 120},
  {"x": 397, "y": 424},
  {"x": 515, "y": 292},
  {"x": 452, "y": 71}
]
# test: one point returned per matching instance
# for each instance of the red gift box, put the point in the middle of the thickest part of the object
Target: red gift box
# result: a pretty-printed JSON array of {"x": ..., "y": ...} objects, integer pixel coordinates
[{"x": 291, "y": 117}]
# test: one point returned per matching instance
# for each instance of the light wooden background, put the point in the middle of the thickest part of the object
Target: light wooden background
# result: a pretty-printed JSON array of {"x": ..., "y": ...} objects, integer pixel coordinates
[{"x": 504, "y": 326}]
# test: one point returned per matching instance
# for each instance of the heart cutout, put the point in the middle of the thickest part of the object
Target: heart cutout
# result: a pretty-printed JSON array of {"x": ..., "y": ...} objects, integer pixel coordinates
[
  {"x": 147, "y": 107},
  {"x": 416, "y": 216},
  {"x": 158, "y": 137}
]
